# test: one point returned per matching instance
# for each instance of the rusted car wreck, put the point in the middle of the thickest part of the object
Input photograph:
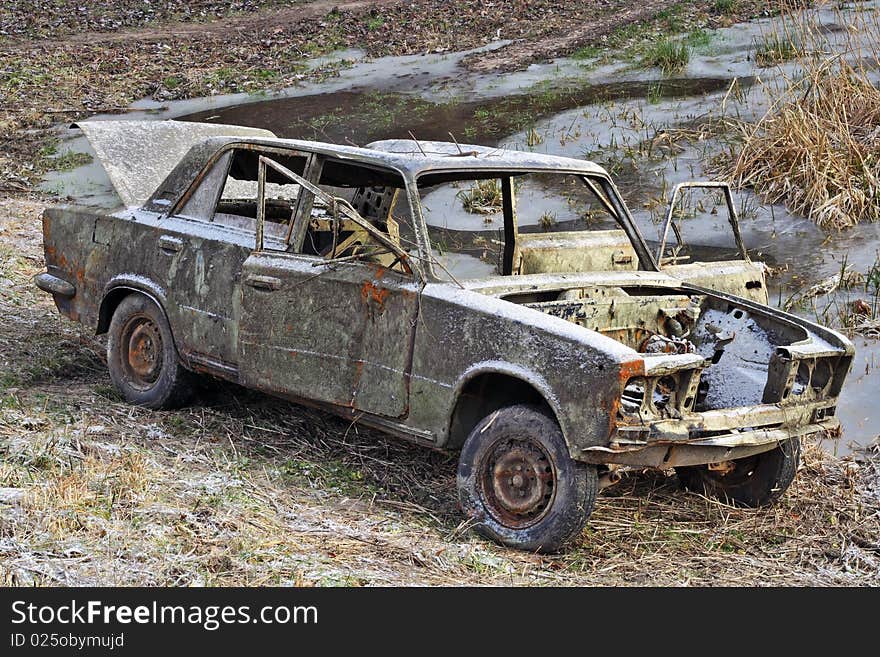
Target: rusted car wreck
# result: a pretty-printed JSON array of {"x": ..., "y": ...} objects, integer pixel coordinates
[{"x": 499, "y": 303}]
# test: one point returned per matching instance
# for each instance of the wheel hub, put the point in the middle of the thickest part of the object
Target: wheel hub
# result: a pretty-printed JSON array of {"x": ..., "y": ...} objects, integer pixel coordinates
[
  {"x": 518, "y": 482},
  {"x": 144, "y": 352}
]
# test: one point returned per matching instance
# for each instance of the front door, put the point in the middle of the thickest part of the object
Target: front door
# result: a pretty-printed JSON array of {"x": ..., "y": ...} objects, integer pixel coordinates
[
  {"x": 331, "y": 332},
  {"x": 334, "y": 322}
]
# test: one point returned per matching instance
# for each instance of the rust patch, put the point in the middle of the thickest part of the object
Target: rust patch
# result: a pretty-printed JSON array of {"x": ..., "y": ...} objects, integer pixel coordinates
[
  {"x": 613, "y": 413},
  {"x": 631, "y": 368},
  {"x": 370, "y": 291},
  {"x": 358, "y": 373}
]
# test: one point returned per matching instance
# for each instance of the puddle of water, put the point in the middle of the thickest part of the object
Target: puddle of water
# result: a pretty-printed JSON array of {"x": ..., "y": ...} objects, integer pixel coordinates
[
  {"x": 859, "y": 410},
  {"x": 614, "y": 114},
  {"x": 88, "y": 184},
  {"x": 365, "y": 115}
]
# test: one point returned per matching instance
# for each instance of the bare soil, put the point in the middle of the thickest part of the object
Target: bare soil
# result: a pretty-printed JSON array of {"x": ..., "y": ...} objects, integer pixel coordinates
[
  {"x": 64, "y": 60},
  {"x": 240, "y": 488}
]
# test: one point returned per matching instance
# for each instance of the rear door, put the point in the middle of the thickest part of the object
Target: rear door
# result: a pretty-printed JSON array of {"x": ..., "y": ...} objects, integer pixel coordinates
[
  {"x": 709, "y": 253},
  {"x": 203, "y": 244},
  {"x": 335, "y": 325}
]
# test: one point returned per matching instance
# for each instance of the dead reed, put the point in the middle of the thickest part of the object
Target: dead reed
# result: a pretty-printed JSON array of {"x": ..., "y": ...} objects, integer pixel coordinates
[{"x": 817, "y": 148}]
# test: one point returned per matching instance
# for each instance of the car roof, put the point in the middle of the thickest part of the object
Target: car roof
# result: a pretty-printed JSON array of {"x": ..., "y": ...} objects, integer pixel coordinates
[
  {"x": 152, "y": 163},
  {"x": 418, "y": 157},
  {"x": 406, "y": 156}
]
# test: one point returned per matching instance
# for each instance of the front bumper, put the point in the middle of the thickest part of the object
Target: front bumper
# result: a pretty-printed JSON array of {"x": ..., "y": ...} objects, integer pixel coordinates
[{"x": 713, "y": 436}]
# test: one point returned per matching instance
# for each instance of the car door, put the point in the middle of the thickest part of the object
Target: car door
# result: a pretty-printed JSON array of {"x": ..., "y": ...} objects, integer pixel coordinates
[
  {"x": 333, "y": 329},
  {"x": 203, "y": 260},
  {"x": 732, "y": 272}
]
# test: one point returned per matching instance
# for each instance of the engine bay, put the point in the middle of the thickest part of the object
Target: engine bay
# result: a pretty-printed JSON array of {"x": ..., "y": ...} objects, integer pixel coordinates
[{"x": 736, "y": 346}]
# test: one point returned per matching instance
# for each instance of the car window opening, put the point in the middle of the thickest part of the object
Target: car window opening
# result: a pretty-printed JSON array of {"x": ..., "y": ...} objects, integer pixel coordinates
[{"x": 492, "y": 224}]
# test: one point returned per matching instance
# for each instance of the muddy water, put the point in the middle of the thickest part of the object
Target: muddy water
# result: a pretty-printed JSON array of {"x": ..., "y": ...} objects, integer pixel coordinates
[
  {"x": 623, "y": 117},
  {"x": 365, "y": 115}
]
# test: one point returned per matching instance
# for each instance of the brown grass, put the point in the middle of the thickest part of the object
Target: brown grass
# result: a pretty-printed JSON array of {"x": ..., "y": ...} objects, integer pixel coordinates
[{"x": 817, "y": 149}]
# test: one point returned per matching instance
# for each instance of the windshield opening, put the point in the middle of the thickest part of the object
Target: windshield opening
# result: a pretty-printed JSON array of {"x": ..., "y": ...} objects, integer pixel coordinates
[{"x": 504, "y": 224}]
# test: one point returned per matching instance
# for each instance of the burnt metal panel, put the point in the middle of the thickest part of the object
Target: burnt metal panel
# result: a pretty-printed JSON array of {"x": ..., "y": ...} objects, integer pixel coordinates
[
  {"x": 335, "y": 332},
  {"x": 387, "y": 347}
]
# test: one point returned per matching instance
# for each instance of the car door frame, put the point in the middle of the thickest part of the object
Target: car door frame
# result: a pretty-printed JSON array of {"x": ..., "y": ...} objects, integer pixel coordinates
[
  {"x": 732, "y": 217},
  {"x": 741, "y": 277},
  {"x": 378, "y": 291}
]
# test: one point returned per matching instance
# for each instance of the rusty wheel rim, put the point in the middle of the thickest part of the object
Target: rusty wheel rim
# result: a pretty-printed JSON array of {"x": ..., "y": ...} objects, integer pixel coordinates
[
  {"x": 143, "y": 352},
  {"x": 518, "y": 481}
]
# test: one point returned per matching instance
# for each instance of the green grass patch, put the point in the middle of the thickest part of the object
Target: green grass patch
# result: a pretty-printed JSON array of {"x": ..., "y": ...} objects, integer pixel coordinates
[
  {"x": 698, "y": 38},
  {"x": 669, "y": 55},
  {"x": 48, "y": 149},
  {"x": 587, "y": 52},
  {"x": 69, "y": 161},
  {"x": 330, "y": 474},
  {"x": 777, "y": 49},
  {"x": 627, "y": 33},
  {"x": 673, "y": 17},
  {"x": 265, "y": 75}
]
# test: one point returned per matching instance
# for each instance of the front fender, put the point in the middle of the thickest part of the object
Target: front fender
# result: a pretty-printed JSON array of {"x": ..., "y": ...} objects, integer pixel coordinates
[
  {"x": 578, "y": 372},
  {"x": 524, "y": 374}
]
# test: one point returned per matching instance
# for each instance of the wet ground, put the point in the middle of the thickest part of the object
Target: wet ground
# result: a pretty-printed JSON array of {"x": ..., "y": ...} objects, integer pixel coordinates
[{"x": 637, "y": 123}]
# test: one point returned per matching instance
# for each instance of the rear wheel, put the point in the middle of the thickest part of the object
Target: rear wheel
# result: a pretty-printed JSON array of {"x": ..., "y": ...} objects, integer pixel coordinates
[
  {"x": 142, "y": 358},
  {"x": 754, "y": 481},
  {"x": 517, "y": 480}
]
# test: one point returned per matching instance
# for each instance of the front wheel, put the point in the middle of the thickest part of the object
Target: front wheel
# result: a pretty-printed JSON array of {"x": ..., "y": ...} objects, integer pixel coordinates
[
  {"x": 754, "y": 481},
  {"x": 517, "y": 480},
  {"x": 142, "y": 358}
]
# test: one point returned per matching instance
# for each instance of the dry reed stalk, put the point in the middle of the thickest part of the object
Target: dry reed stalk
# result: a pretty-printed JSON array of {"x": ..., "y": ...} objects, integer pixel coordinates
[{"x": 817, "y": 149}]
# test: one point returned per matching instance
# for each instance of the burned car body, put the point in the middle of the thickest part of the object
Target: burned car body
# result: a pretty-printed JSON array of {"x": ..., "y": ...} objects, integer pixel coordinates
[{"x": 336, "y": 276}]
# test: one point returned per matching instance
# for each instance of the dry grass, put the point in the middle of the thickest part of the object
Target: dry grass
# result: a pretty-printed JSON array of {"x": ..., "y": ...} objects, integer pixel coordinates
[
  {"x": 483, "y": 197},
  {"x": 817, "y": 149},
  {"x": 244, "y": 489}
]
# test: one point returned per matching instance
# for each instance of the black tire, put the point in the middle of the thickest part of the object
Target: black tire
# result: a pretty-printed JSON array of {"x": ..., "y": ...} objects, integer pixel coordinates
[
  {"x": 558, "y": 493},
  {"x": 142, "y": 358},
  {"x": 754, "y": 481}
]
